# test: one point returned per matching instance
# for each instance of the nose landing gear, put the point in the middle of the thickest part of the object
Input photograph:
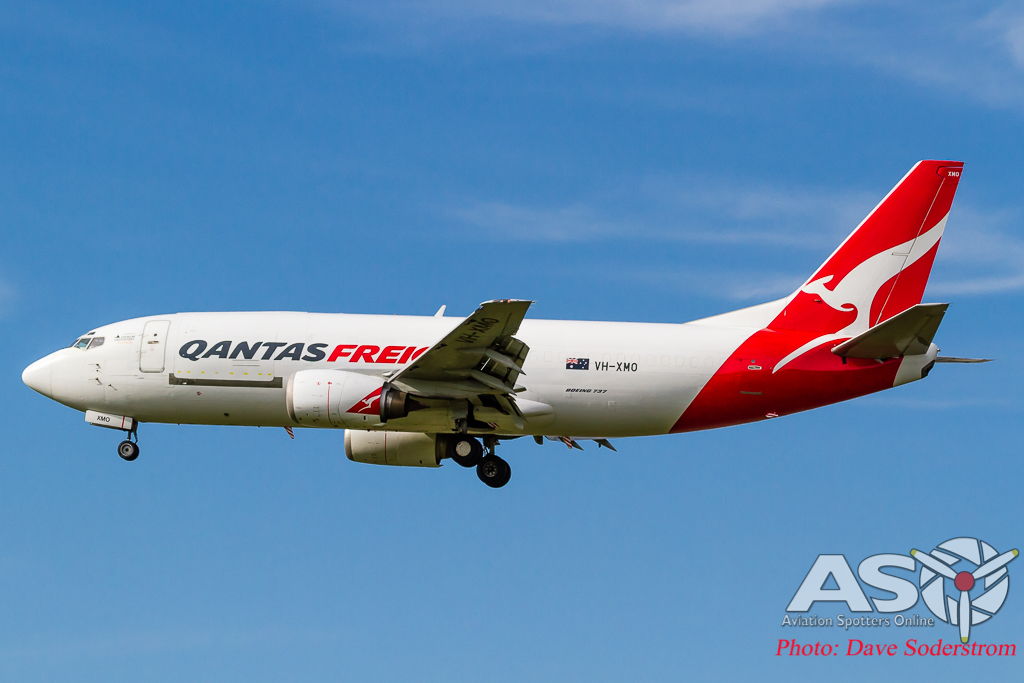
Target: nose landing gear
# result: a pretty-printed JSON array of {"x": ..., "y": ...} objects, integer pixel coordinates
[{"x": 128, "y": 449}]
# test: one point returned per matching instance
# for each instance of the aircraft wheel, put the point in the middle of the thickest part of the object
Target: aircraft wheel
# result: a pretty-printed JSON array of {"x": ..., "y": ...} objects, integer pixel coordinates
[
  {"x": 128, "y": 450},
  {"x": 465, "y": 450},
  {"x": 493, "y": 471}
]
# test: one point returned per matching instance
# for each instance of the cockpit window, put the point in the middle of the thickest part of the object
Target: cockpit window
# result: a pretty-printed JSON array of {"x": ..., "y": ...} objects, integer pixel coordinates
[
  {"x": 81, "y": 343},
  {"x": 96, "y": 341}
]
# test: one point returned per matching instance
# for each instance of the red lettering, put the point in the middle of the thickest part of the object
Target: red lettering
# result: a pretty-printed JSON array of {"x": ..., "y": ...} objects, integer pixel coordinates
[
  {"x": 806, "y": 650},
  {"x": 783, "y": 644},
  {"x": 341, "y": 352},
  {"x": 406, "y": 355},
  {"x": 849, "y": 648},
  {"x": 364, "y": 353},
  {"x": 935, "y": 649},
  {"x": 947, "y": 650},
  {"x": 389, "y": 354},
  {"x": 911, "y": 648},
  {"x": 990, "y": 650},
  {"x": 419, "y": 353},
  {"x": 891, "y": 649}
]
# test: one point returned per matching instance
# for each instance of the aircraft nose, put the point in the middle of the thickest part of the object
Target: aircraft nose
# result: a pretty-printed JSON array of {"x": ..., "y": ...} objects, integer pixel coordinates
[{"x": 37, "y": 376}]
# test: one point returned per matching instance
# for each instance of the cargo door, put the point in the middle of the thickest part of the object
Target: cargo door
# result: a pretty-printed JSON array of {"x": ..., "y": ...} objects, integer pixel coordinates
[{"x": 154, "y": 345}]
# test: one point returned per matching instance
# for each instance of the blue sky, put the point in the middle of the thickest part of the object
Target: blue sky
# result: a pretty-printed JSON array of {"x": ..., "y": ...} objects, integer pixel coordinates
[{"x": 647, "y": 160}]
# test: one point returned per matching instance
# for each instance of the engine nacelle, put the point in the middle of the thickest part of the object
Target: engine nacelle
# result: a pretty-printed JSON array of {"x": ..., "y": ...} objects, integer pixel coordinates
[
  {"x": 407, "y": 449},
  {"x": 334, "y": 398}
]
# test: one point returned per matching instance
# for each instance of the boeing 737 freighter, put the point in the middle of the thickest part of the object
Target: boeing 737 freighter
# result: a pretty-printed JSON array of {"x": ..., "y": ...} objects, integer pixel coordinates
[{"x": 414, "y": 391}]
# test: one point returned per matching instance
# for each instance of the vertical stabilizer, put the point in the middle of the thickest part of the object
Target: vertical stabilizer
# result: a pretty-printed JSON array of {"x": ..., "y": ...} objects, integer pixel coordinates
[{"x": 882, "y": 268}]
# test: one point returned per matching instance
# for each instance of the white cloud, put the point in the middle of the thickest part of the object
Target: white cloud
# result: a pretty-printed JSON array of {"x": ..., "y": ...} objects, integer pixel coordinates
[
  {"x": 936, "y": 403},
  {"x": 749, "y": 286},
  {"x": 968, "y": 49},
  {"x": 682, "y": 210},
  {"x": 1014, "y": 38},
  {"x": 802, "y": 217},
  {"x": 556, "y": 224},
  {"x": 119, "y": 644},
  {"x": 981, "y": 253},
  {"x": 961, "y": 49},
  {"x": 760, "y": 224},
  {"x": 1007, "y": 24},
  {"x": 7, "y": 295},
  {"x": 726, "y": 16}
]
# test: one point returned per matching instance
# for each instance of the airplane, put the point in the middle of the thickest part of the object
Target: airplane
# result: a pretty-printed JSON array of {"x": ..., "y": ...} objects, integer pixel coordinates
[{"x": 416, "y": 390}]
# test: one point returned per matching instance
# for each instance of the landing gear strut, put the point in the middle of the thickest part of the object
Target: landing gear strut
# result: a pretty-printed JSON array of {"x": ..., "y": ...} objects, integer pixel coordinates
[
  {"x": 467, "y": 451},
  {"x": 128, "y": 449},
  {"x": 492, "y": 470}
]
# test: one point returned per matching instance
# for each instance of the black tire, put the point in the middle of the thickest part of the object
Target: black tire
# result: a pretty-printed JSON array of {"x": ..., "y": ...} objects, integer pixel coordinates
[
  {"x": 465, "y": 450},
  {"x": 493, "y": 471},
  {"x": 128, "y": 450}
]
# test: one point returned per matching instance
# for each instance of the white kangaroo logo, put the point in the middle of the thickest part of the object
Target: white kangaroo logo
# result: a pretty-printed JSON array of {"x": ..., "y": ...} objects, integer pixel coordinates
[{"x": 857, "y": 290}]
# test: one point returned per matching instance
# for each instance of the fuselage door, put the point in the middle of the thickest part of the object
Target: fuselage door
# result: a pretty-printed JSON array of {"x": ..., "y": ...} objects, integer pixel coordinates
[{"x": 154, "y": 342}]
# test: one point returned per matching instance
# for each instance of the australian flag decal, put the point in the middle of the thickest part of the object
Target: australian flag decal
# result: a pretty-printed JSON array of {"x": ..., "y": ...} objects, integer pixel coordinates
[{"x": 577, "y": 363}]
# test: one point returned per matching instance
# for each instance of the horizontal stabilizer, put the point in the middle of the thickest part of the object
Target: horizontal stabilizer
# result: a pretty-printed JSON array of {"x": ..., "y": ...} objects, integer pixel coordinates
[
  {"x": 954, "y": 359},
  {"x": 906, "y": 334}
]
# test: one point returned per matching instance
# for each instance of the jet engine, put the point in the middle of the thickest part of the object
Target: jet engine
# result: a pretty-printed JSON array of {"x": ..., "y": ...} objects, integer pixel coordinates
[
  {"x": 338, "y": 398},
  {"x": 408, "y": 449},
  {"x": 333, "y": 398}
]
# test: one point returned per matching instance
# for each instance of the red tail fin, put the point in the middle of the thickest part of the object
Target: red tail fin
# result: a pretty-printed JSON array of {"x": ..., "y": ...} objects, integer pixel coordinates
[{"x": 882, "y": 268}]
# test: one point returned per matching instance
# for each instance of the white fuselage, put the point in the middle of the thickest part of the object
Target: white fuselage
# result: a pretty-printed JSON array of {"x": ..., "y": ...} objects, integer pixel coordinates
[{"x": 640, "y": 377}]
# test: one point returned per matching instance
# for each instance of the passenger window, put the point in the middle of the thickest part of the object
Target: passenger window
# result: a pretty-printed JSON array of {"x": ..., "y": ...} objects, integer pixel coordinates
[
  {"x": 96, "y": 341},
  {"x": 81, "y": 343}
]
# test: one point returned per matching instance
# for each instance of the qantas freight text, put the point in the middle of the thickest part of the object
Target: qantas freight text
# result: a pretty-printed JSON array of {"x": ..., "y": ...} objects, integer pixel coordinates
[{"x": 353, "y": 353}]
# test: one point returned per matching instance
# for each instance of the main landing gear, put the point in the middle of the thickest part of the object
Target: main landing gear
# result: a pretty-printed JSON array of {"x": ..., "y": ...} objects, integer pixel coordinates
[
  {"x": 128, "y": 449},
  {"x": 467, "y": 451}
]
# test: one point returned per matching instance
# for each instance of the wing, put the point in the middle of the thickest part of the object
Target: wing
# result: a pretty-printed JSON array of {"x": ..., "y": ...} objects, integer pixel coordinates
[{"x": 481, "y": 356}]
